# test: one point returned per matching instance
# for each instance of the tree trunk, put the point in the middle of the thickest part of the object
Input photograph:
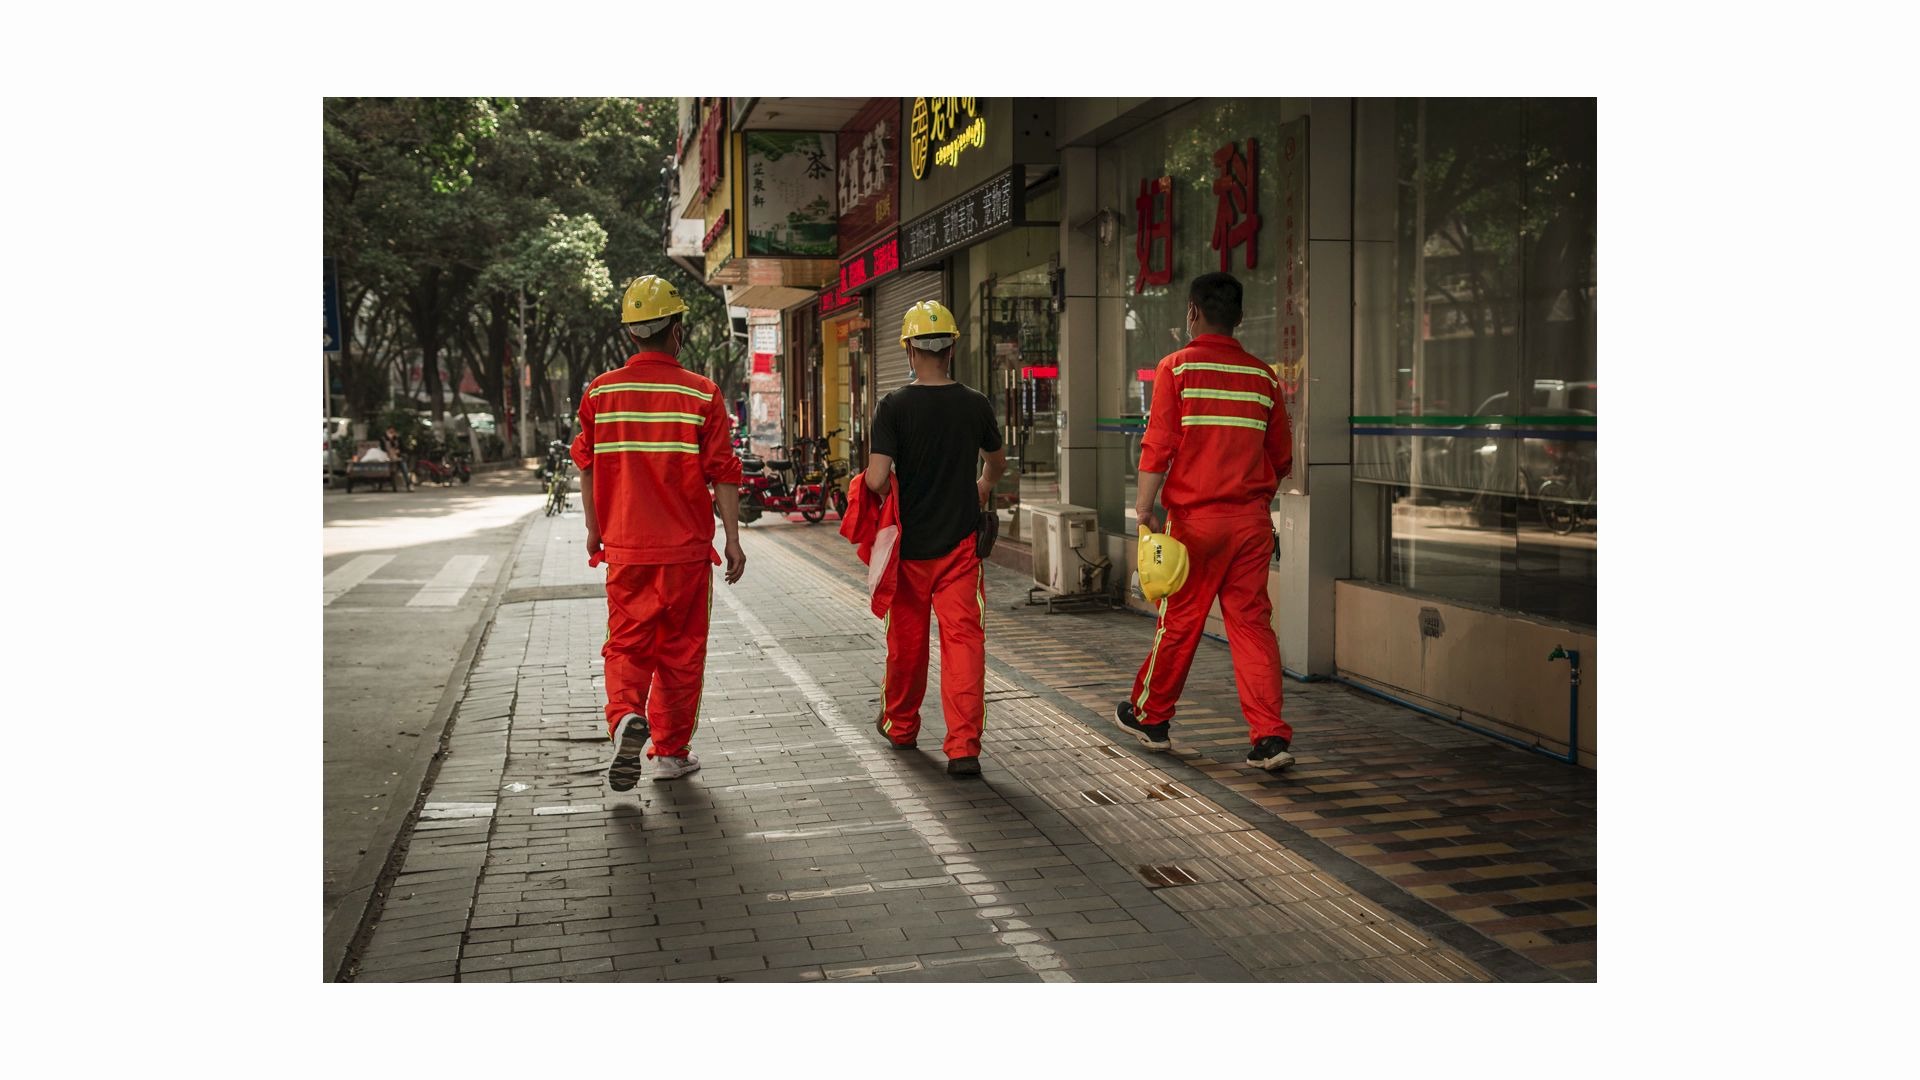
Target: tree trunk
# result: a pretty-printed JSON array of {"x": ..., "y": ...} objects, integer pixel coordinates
[
  {"x": 495, "y": 376},
  {"x": 423, "y": 307}
]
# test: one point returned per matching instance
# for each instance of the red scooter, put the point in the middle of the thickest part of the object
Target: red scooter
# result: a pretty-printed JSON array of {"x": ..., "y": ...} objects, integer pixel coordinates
[
  {"x": 772, "y": 485},
  {"x": 428, "y": 467}
]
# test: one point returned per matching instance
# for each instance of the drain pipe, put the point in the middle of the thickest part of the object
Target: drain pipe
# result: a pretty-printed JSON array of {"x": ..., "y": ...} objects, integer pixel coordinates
[{"x": 1572, "y": 657}]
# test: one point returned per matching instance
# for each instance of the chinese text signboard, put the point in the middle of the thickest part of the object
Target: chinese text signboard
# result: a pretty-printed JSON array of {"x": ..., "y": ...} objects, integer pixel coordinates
[
  {"x": 941, "y": 130},
  {"x": 869, "y": 266},
  {"x": 1154, "y": 213},
  {"x": 1293, "y": 270},
  {"x": 868, "y": 184},
  {"x": 993, "y": 207},
  {"x": 790, "y": 194},
  {"x": 713, "y": 131},
  {"x": 832, "y": 300},
  {"x": 1236, "y": 219}
]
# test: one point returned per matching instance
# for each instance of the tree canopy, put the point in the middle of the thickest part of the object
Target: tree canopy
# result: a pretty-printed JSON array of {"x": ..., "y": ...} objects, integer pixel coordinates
[{"x": 474, "y": 235}]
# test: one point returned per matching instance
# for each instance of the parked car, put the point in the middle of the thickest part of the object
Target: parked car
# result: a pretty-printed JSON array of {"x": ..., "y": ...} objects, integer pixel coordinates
[
  {"x": 337, "y": 427},
  {"x": 1481, "y": 461}
]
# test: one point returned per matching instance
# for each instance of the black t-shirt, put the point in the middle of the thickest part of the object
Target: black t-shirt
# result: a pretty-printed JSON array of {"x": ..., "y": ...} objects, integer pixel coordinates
[{"x": 934, "y": 434}]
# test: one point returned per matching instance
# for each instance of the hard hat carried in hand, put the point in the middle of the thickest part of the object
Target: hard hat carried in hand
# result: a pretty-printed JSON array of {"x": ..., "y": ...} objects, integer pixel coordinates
[
  {"x": 650, "y": 299},
  {"x": 1163, "y": 565},
  {"x": 929, "y": 319}
]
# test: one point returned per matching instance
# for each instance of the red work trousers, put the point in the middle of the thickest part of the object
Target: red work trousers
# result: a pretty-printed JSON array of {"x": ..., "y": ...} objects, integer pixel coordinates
[
  {"x": 1226, "y": 558},
  {"x": 656, "y": 648},
  {"x": 951, "y": 587}
]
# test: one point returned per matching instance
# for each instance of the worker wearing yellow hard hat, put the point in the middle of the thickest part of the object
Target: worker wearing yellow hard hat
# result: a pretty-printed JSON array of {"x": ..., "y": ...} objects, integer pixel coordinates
[
  {"x": 1218, "y": 442},
  {"x": 653, "y": 437},
  {"x": 936, "y": 449}
]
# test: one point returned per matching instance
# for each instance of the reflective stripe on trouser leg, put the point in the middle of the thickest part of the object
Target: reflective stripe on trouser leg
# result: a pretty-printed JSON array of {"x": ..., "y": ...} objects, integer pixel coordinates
[
  {"x": 681, "y": 651},
  {"x": 907, "y": 648},
  {"x": 1153, "y": 655},
  {"x": 632, "y": 614},
  {"x": 957, "y": 600},
  {"x": 1183, "y": 616},
  {"x": 1248, "y": 611}
]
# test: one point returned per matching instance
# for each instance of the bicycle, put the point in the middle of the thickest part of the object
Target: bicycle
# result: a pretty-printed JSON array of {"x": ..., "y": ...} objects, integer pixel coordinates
[
  {"x": 820, "y": 487},
  {"x": 1566, "y": 498},
  {"x": 557, "y": 484}
]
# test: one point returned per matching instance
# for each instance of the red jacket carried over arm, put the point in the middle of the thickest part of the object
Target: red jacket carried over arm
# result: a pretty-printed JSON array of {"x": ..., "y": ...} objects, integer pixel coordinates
[{"x": 873, "y": 525}]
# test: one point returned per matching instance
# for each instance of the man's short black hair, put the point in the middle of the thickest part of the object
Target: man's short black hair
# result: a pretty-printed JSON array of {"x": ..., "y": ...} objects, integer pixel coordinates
[
  {"x": 657, "y": 342},
  {"x": 1217, "y": 295}
]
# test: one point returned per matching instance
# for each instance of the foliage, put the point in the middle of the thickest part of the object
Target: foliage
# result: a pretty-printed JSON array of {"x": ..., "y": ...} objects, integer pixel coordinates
[{"x": 472, "y": 235}]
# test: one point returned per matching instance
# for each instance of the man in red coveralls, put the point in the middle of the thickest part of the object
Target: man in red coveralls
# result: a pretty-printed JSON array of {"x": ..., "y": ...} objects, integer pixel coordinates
[
  {"x": 653, "y": 435},
  {"x": 1218, "y": 440},
  {"x": 935, "y": 433}
]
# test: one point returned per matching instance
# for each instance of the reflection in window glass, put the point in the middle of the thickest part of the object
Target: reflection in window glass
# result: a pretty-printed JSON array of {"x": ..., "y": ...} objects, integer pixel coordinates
[
  {"x": 1480, "y": 423},
  {"x": 1138, "y": 328}
]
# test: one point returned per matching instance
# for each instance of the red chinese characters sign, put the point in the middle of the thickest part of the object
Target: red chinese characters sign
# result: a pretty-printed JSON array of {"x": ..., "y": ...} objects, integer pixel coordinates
[
  {"x": 713, "y": 132},
  {"x": 1236, "y": 218},
  {"x": 868, "y": 153},
  {"x": 1293, "y": 267},
  {"x": 832, "y": 300},
  {"x": 870, "y": 265},
  {"x": 1153, "y": 211}
]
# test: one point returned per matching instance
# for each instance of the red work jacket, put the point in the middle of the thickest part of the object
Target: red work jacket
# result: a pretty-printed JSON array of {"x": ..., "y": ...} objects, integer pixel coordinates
[
  {"x": 873, "y": 525},
  {"x": 655, "y": 435},
  {"x": 1218, "y": 429}
]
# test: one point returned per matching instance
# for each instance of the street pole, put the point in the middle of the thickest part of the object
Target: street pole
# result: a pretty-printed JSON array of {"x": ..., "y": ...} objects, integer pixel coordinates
[{"x": 526, "y": 382}]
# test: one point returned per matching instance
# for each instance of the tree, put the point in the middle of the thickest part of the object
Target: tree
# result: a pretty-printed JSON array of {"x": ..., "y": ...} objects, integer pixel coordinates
[{"x": 500, "y": 231}]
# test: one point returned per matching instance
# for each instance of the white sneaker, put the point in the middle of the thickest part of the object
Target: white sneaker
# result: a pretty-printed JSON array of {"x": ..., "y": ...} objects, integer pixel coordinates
[{"x": 667, "y": 768}]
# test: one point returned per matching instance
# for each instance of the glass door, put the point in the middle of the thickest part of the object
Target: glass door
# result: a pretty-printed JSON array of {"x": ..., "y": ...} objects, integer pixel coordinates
[{"x": 1022, "y": 335}]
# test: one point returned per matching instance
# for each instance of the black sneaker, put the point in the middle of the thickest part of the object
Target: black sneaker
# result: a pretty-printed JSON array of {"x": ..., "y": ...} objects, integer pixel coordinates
[
  {"x": 880, "y": 725},
  {"x": 629, "y": 752},
  {"x": 963, "y": 766},
  {"x": 1270, "y": 754},
  {"x": 1153, "y": 736}
]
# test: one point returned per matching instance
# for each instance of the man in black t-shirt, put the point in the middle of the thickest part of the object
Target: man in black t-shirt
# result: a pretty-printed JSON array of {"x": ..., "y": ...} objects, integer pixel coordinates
[{"x": 934, "y": 432}]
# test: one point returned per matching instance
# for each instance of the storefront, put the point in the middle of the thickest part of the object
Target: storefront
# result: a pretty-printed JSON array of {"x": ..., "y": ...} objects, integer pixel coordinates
[
  {"x": 1421, "y": 276},
  {"x": 843, "y": 336},
  {"x": 982, "y": 204}
]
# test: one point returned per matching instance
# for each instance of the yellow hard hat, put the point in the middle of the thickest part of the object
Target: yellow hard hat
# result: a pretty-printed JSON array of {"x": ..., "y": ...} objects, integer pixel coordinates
[
  {"x": 1163, "y": 565},
  {"x": 650, "y": 299},
  {"x": 928, "y": 318}
]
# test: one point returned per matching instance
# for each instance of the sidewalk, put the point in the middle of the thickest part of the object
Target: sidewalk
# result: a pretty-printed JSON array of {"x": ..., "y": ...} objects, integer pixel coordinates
[{"x": 806, "y": 850}]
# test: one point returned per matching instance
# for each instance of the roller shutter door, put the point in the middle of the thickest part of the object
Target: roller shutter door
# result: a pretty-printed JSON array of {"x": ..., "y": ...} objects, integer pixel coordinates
[{"x": 891, "y": 300}]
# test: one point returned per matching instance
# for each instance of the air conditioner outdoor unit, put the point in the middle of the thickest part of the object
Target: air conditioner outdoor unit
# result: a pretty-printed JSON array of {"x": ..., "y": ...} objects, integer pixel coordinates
[{"x": 1066, "y": 542}]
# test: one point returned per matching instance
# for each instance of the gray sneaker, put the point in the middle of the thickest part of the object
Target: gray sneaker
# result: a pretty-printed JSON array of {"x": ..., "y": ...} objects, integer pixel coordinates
[{"x": 629, "y": 752}]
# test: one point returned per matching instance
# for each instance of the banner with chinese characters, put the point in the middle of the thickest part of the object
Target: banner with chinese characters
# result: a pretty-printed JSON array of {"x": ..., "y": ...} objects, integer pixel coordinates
[
  {"x": 788, "y": 181},
  {"x": 864, "y": 268},
  {"x": 1218, "y": 185},
  {"x": 868, "y": 183},
  {"x": 990, "y": 209},
  {"x": 1290, "y": 215}
]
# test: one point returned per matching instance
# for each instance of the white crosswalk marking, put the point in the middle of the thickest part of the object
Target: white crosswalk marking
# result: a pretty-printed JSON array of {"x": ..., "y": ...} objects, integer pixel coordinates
[
  {"x": 360, "y": 569},
  {"x": 451, "y": 583}
]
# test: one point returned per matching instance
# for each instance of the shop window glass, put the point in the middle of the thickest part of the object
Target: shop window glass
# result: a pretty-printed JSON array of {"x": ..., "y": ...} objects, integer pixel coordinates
[
  {"x": 1138, "y": 328},
  {"x": 1475, "y": 408}
]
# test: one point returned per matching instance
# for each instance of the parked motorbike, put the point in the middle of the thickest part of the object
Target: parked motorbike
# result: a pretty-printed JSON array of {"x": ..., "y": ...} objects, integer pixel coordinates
[
  {"x": 821, "y": 486},
  {"x": 441, "y": 467}
]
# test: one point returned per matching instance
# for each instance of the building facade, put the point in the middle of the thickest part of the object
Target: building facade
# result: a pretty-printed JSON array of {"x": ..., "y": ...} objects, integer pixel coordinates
[{"x": 1420, "y": 272}]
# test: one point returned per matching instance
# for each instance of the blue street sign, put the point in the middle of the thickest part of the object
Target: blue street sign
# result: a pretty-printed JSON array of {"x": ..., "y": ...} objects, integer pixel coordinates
[{"x": 333, "y": 310}]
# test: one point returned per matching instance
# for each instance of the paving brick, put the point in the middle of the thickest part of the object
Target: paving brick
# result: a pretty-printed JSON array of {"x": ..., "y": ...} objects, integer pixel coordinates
[{"x": 905, "y": 876}]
